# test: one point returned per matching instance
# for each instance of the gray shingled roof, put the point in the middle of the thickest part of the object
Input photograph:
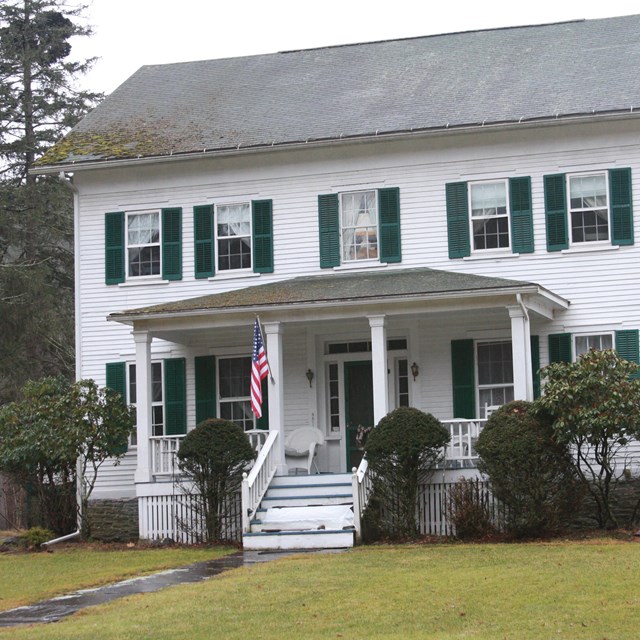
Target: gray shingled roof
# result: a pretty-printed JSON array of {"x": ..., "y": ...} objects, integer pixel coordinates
[
  {"x": 345, "y": 287},
  {"x": 453, "y": 80}
]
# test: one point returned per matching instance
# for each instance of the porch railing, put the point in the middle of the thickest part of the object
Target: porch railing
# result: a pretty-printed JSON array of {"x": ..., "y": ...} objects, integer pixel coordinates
[
  {"x": 163, "y": 454},
  {"x": 256, "y": 482},
  {"x": 464, "y": 435},
  {"x": 257, "y": 438},
  {"x": 361, "y": 487}
]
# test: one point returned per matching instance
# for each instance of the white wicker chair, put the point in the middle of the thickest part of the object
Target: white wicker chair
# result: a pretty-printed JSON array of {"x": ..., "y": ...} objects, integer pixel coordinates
[{"x": 301, "y": 445}]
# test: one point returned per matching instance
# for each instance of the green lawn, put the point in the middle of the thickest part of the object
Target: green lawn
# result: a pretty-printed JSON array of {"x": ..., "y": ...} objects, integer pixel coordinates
[
  {"x": 29, "y": 577},
  {"x": 585, "y": 590}
]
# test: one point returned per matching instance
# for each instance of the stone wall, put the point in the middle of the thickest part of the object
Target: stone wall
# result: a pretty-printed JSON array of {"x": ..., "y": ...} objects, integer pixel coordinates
[{"x": 114, "y": 520}]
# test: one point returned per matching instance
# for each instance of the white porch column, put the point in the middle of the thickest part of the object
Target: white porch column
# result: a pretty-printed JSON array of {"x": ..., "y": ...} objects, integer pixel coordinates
[
  {"x": 521, "y": 348},
  {"x": 273, "y": 336},
  {"x": 143, "y": 404},
  {"x": 379, "y": 367}
]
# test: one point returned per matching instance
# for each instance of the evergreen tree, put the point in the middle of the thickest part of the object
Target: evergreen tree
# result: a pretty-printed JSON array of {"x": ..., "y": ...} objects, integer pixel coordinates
[{"x": 38, "y": 104}]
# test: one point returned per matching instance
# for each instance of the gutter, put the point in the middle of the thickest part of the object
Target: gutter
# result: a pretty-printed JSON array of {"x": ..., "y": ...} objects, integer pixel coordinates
[{"x": 331, "y": 141}]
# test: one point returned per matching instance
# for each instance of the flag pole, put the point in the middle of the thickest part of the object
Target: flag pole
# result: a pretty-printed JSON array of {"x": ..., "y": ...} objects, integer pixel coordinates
[{"x": 266, "y": 353}]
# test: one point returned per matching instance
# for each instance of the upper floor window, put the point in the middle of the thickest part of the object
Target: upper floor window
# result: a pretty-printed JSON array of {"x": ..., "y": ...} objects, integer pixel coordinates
[
  {"x": 233, "y": 237},
  {"x": 588, "y": 208},
  {"x": 584, "y": 208},
  {"x": 489, "y": 215},
  {"x": 143, "y": 244},
  {"x": 359, "y": 226},
  {"x": 233, "y": 231}
]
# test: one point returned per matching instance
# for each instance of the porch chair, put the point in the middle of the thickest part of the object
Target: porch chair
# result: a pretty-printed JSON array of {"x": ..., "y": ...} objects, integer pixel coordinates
[{"x": 303, "y": 443}]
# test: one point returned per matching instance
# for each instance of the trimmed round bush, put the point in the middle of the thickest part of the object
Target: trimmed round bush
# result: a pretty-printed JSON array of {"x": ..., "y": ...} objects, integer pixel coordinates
[
  {"x": 215, "y": 455},
  {"x": 402, "y": 451},
  {"x": 530, "y": 472}
]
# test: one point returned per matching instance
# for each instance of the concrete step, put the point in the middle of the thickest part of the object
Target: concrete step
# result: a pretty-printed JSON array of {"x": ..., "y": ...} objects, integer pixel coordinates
[
  {"x": 329, "y": 517},
  {"x": 322, "y": 489},
  {"x": 321, "y": 478},
  {"x": 306, "y": 500},
  {"x": 324, "y": 539}
]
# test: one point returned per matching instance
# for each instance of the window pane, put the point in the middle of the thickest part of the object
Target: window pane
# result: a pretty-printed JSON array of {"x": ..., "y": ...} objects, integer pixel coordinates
[
  {"x": 132, "y": 384},
  {"x": 144, "y": 261},
  {"x": 235, "y": 377},
  {"x": 143, "y": 228},
  {"x": 596, "y": 341},
  {"x": 495, "y": 363},
  {"x": 488, "y": 199},
  {"x": 156, "y": 382}
]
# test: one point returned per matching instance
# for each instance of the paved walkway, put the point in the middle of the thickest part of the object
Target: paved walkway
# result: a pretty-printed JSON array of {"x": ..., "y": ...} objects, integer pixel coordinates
[{"x": 56, "y": 608}]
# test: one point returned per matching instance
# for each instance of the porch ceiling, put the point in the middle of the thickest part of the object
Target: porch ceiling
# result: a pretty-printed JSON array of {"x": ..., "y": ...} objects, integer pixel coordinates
[{"x": 345, "y": 295}]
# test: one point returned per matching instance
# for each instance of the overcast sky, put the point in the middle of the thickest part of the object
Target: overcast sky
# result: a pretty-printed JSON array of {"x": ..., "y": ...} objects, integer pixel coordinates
[{"x": 132, "y": 33}]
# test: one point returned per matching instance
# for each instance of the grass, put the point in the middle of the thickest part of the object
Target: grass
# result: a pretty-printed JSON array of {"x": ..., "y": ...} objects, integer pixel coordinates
[
  {"x": 29, "y": 577},
  {"x": 537, "y": 591}
]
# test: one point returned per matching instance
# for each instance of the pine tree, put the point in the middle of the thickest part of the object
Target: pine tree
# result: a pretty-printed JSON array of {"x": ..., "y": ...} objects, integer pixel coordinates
[{"x": 38, "y": 104}]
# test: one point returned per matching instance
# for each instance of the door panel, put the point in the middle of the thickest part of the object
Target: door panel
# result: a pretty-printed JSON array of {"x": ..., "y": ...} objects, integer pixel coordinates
[{"x": 358, "y": 384}]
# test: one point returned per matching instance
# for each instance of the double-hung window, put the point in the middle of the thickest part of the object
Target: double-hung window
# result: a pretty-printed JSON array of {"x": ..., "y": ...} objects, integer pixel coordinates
[
  {"x": 359, "y": 226},
  {"x": 234, "y": 391},
  {"x": 233, "y": 236},
  {"x": 489, "y": 215},
  {"x": 157, "y": 406},
  {"x": 495, "y": 375},
  {"x": 143, "y": 244},
  {"x": 588, "y": 207}
]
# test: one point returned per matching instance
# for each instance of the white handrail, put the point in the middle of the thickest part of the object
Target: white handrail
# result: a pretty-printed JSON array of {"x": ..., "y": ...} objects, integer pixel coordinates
[
  {"x": 464, "y": 435},
  {"x": 361, "y": 487},
  {"x": 163, "y": 453},
  {"x": 256, "y": 482}
]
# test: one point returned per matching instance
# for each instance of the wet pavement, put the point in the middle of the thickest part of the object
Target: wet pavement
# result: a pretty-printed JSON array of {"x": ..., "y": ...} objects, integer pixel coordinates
[{"x": 56, "y": 608}]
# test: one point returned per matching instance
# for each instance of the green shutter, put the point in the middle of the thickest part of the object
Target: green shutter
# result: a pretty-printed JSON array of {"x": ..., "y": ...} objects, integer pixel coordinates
[
  {"x": 117, "y": 378},
  {"x": 205, "y": 378},
  {"x": 329, "y": 228},
  {"x": 263, "y": 422},
  {"x": 560, "y": 347},
  {"x": 204, "y": 266},
  {"x": 389, "y": 205},
  {"x": 174, "y": 391},
  {"x": 114, "y": 247},
  {"x": 535, "y": 365},
  {"x": 628, "y": 347},
  {"x": 172, "y": 244},
  {"x": 463, "y": 376},
  {"x": 555, "y": 207},
  {"x": 458, "y": 219},
  {"x": 620, "y": 201},
  {"x": 521, "y": 215},
  {"x": 262, "y": 213}
]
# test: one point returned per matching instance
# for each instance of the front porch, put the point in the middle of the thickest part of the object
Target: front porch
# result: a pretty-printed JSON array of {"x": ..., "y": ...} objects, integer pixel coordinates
[{"x": 343, "y": 350}]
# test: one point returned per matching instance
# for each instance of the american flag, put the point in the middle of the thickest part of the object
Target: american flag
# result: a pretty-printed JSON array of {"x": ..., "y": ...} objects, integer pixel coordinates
[{"x": 259, "y": 370}]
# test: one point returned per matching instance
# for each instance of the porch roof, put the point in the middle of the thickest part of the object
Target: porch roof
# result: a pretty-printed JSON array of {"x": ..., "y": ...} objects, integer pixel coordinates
[{"x": 390, "y": 286}]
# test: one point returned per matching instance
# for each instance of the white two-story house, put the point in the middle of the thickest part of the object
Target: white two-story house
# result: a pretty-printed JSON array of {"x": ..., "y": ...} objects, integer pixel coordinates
[{"x": 422, "y": 222}]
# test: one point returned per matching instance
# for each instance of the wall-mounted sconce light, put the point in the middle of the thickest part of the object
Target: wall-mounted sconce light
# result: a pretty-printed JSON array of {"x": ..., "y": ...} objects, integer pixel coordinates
[
  {"x": 309, "y": 375},
  {"x": 415, "y": 371}
]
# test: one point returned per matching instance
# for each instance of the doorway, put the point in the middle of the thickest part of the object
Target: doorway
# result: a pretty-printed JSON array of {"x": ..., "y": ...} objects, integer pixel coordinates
[{"x": 358, "y": 394}]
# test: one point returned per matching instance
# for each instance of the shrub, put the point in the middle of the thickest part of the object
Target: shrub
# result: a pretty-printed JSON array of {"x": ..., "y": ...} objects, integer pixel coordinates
[
  {"x": 402, "y": 451},
  {"x": 34, "y": 538},
  {"x": 469, "y": 511},
  {"x": 215, "y": 454},
  {"x": 531, "y": 473}
]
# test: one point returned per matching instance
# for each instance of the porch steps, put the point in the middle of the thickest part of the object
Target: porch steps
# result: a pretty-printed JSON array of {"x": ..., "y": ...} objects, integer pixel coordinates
[{"x": 304, "y": 512}]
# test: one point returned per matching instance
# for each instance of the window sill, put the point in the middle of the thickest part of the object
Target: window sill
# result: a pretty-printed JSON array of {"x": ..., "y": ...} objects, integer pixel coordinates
[
  {"x": 233, "y": 275},
  {"x": 334, "y": 437},
  {"x": 361, "y": 265},
  {"x": 591, "y": 247},
  {"x": 143, "y": 282},
  {"x": 491, "y": 255}
]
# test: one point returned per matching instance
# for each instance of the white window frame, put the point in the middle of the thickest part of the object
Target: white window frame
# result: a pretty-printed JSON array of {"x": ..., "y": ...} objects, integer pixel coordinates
[
  {"x": 128, "y": 246},
  {"x": 227, "y": 400},
  {"x": 345, "y": 228},
  {"x": 154, "y": 403},
  {"x": 485, "y": 411},
  {"x": 571, "y": 210},
  {"x": 591, "y": 334},
  {"x": 218, "y": 238},
  {"x": 486, "y": 218}
]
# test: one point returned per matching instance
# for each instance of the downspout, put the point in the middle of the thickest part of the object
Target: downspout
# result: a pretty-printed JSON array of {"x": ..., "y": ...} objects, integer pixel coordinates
[{"x": 76, "y": 284}]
